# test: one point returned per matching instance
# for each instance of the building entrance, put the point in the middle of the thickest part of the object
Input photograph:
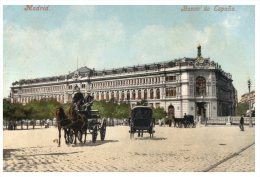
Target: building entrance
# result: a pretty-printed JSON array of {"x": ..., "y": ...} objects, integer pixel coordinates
[{"x": 201, "y": 111}]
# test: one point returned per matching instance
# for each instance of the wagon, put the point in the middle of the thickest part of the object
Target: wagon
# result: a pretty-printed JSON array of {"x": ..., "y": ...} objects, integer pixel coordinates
[
  {"x": 141, "y": 121},
  {"x": 92, "y": 126},
  {"x": 186, "y": 122}
]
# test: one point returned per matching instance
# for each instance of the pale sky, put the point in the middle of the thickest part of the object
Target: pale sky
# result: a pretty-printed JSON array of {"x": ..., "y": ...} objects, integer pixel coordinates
[{"x": 48, "y": 43}]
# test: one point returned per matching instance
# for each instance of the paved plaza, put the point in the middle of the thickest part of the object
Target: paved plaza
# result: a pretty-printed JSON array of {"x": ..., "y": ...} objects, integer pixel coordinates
[{"x": 209, "y": 149}]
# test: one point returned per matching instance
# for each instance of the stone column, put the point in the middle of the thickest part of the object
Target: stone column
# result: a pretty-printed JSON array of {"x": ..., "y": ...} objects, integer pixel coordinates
[
  {"x": 109, "y": 94},
  {"x": 66, "y": 97},
  {"x": 120, "y": 95},
  {"x": 131, "y": 94},
  {"x": 162, "y": 93},
  {"x": 148, "y": 93}
]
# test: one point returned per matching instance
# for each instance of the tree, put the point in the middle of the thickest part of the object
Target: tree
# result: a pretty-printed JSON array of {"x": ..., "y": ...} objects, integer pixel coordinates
[
  {"x": 123, "y": 111},
  {"x": 158, "y": 113},
  {"x": 111, "y": 109},
  {"x": 241, "y": 109},
  {"x": 8, "y": 111},
  {"x": 19, "y": 114}
]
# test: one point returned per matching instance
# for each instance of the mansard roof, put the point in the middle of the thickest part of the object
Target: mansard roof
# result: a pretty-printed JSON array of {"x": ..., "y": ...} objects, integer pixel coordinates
[{"x": 87, "y": 72}]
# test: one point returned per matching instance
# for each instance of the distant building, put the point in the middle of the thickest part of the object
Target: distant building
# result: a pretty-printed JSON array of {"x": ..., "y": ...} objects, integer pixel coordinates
[
  {"x": 249, "y": 98},
  {"x": 195, "y": 86}
]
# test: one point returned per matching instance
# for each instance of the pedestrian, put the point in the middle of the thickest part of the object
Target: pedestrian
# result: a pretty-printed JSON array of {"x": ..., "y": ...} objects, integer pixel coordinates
[{"x": 241, "y": 124}]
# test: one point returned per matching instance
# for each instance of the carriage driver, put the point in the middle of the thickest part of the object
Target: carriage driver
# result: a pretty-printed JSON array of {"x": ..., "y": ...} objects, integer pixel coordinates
[
  {"x": 78, "y": 99},
  {"x": 88, "y": 101}
]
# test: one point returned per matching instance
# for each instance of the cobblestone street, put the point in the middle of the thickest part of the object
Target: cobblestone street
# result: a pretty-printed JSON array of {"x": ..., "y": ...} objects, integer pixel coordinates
[{"x": 171, "y": 150}]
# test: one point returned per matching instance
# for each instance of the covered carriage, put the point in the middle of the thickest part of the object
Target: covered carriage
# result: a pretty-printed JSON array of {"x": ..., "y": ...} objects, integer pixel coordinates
[{"x": 141, "y": 121}]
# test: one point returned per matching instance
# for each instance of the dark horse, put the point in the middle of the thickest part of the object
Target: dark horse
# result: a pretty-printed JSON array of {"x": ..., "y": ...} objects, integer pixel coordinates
[
  {"x": 75, "y": 122},
  {"x": 62, "y": 122}
]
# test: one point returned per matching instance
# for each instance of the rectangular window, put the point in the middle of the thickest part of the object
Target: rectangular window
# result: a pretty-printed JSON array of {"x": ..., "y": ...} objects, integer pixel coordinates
[{"x": 171, "y": 92}]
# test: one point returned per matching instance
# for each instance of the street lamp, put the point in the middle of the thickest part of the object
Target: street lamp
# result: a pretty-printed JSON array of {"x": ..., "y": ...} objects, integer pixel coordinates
[{"x": 250, "y": 117}]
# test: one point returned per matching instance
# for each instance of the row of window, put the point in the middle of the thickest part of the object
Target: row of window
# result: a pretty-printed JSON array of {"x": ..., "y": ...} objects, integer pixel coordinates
[
  {"x": 200, "y": 87},
  {"x": 126, "y": 95},
  {"x": 138, "y": 81},
  {"x": 43, "y": 89},
  {"x": 29, "y": 99}
]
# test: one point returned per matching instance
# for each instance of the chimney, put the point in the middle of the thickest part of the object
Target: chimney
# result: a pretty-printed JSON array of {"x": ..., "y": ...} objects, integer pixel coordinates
[{"x": 199, "y": 50}]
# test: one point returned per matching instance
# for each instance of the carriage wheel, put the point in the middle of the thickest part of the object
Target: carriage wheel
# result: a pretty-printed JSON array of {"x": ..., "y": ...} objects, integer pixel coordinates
[
  {"x": 80, "y": 135},
  {"x": 94, "y": 134},
  {"x": 103, "y": 130}
]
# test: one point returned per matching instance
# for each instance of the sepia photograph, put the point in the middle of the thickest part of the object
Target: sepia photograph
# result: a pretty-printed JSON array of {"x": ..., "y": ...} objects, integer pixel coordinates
[{"x": 129, "y": 88}]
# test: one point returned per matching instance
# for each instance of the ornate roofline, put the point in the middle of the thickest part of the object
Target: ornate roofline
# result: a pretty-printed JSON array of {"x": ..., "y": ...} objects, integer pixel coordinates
[{"x": 87, "y": 72}]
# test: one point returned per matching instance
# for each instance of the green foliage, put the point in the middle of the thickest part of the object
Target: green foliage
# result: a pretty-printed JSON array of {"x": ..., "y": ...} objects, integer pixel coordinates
[
  {"x": 19, "y": 113},
  {"x": 111, "y": 109},
  {"x": 158, "y": 113},
  {"x": 123, "y": 111},
  {"x": 241, "y": 109},
  {"x": 8, "y": 110},
  {"x": 142, "y": 103},
  {"x": 43, "y": 109}
]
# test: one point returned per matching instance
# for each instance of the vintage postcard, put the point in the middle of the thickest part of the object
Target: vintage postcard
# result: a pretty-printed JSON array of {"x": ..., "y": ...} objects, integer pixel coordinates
[{"x": 129, "y": 88}]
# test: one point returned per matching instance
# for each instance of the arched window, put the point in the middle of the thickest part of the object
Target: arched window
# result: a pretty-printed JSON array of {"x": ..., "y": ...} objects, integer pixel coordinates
[
  {"x": 112, "y": 95},
  {"x": 117, "y": 95},
  {"x": 171, "y": 111},
  {"x": 107, "y": 96},
  {"x": 157, "y": 93},
  {"x": 200, "y": 86},
  {"x": 133, "y": 95},
  {"x": 122, "y": 95},
  {"x": 151, "y": 94},
  {"x": 139, "y": 94},
  {"x": 145, "y": 94},
  {"x": 128, "y": 95}
]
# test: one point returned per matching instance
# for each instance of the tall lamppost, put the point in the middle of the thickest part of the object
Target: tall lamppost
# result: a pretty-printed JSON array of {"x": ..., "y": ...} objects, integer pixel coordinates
[{"x": 249, "y": 106}]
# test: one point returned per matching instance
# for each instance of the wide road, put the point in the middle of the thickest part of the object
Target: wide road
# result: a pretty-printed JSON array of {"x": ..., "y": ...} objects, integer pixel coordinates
[{"x": 213, "y": 148}]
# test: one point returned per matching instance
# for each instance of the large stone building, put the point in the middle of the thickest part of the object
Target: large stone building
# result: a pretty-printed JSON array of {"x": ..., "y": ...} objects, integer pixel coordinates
[{"x": 195, "y": 86}]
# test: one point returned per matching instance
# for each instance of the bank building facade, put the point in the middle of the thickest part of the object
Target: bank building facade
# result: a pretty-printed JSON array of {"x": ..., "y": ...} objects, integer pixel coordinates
[{"x": 196, "y": 86}]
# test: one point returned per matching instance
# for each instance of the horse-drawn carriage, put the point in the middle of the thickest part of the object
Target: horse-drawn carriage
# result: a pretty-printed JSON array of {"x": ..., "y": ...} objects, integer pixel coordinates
[
  {"x": 80, "y": 123},
  {"x": 186, "y": 122},
  {"x": 141, "y": 121}
]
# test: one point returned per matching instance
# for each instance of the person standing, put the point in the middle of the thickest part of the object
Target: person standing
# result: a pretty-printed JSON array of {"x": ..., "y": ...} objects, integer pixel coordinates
[
  {"x": 241, "y": 123},
  {"x": 77, "y": 99},
  {"x": 88, "y": 101}
]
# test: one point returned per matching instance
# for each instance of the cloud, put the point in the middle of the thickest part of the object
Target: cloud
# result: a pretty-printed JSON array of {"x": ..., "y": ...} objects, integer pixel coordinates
[
  {"x": 105, "y": 43},
  {"x": 32, "y": 53},
  {"x": 232, "y": 21}
]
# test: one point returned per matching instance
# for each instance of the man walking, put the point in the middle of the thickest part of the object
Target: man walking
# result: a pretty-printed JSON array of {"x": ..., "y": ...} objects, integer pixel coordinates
[{"x": 241, "y": 125}]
